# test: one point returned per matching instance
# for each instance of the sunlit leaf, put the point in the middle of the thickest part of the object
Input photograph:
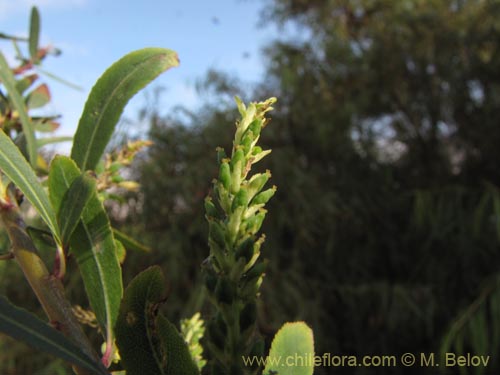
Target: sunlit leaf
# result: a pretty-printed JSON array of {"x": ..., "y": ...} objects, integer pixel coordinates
[
  {"x": 293, "y": 340},
  {"x": 15, "y": 167},
  {"x": 93, "y": 245},
  {"x": 74, "y": 201},
  {"x": 23, "y": 326},
  {"x": 110, "y": 95},
  {"x": 9, "y": 82},
  {"x": 49, "y": 140},
  {"x": 34, "y": 35},
  {"x": 60, "y": 80}
]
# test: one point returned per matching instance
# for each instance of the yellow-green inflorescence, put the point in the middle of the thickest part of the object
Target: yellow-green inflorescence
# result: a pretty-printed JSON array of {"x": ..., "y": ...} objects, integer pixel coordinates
[{"x": 234, "y": 272}]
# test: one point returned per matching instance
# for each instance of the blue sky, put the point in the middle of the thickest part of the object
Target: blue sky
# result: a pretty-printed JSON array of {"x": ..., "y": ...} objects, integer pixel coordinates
[{"x": 220, "y": 34}]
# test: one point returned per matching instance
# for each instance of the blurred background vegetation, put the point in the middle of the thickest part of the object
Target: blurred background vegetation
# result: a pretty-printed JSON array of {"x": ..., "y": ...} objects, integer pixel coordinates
[{"x": 384, "y": 234}]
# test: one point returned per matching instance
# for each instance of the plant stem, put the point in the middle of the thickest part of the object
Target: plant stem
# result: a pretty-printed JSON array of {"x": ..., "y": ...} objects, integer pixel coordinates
[{"x": 48, "y": 288}]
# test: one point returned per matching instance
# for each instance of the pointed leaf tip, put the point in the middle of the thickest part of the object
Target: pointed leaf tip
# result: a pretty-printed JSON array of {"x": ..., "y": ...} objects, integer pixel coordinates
[
  {"x": 23, "y": 326},
  {"x": 110, "y": 95}
]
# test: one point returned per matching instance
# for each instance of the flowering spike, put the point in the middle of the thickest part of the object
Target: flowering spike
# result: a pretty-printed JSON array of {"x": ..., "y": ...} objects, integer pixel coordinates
[{"x": 235, "y": 272}]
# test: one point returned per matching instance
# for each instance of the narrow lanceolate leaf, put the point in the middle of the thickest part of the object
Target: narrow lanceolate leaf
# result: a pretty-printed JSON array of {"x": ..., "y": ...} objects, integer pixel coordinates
[
  {"x": 293, "y": 340},
  {"x": 74, "y": 201},
  {"x": 93, "y": 245},
  {"x": 110, "y": 95},
  {"x": 16, "y": 168},
  {"x": 129, "y": 242},
  {"x": 50, "y": 140},
  {"x": 134, "y": 328},
  {"x": 8, "y": 80},
  {"x": 23, "y": 326},
  {"x": 148, "y": 343},
  {"x": 34, "y": 34}
]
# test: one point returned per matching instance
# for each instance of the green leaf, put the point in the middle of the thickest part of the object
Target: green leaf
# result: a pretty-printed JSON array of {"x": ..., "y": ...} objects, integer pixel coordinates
[
  {"x": 74, "y": 201},
  {"x": 49, "y": 140},
  {"x": 38, "y": 97},
  {"x": 34, "y": 34},
  {"x": 110, "y": 95},
  {"x": 23, "y": 326},
  {"x": 45, "y": 125},
  {"x": 175, "y": 350},
  {"x": 25, "y": 83},
  {"x": 293, "y": 340},
  {"x": 42, "y": 239},
  {"x": 15, "y": 167},
  {"x": 93, "y": 245},
  {"x": 121, "y": 252},
  {"x": 129, "y": 242},
  {"x": 9, "y": 82},
  {"x": 59, "y": 79},
  {"x": 63, "y": 172},
  {"x": 148, "y": 343}
]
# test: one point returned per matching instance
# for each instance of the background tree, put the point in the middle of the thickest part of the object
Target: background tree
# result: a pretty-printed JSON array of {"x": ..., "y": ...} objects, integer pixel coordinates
[{"x": 385, "y": 231}]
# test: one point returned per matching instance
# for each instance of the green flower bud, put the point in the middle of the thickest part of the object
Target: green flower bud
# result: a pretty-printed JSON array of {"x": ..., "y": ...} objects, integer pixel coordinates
[
  {"x": 256, "y": 253},
  {"x": 223, "y": 196},
  {"x": 240, "y": 199},
  {"x": 225, "y": 175},
  {"x": 247, "y": 142},
  {"x": 218, "y": 253},
  {"x": 255, "y": 127},
  {"x": 115, "y": 167},
  {"x": 210, "y": 280},
  {"x": 248, "y": 316},
  {"x": 258, "y": 157},
  {"x": 257, "y": 182},
  {"x": 216, "y": 233},
  {"x": 253, "y": 223},
  {"x": 256, "y": 150},
  {"x": 129, "y": 185},
  {"x": 241, "y": 106},
  {"x": 210, "y": 208},
  {"x": 251, "y": 289},
  {"x": 254, "y": 273},
  {"x": 217, "y": 333},
  {"x": 263, "y": 197},
  {"x": 234, "y": 223},
  {"x": 237, "y": 165},
  {"x": 245, "y": 250},
  {"x": 117, "y": 178},
  {"x": 221, "y": 154},
  {"x": 225, "y": 291}
]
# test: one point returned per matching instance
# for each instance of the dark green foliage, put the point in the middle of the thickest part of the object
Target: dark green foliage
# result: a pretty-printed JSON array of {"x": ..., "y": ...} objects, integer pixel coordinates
[
  {"x": 25, "y": 327},
  {"x": 385, "y": 148},
  {"x": 148, "y": 342},
  {"x": 92, "y": 243}
]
